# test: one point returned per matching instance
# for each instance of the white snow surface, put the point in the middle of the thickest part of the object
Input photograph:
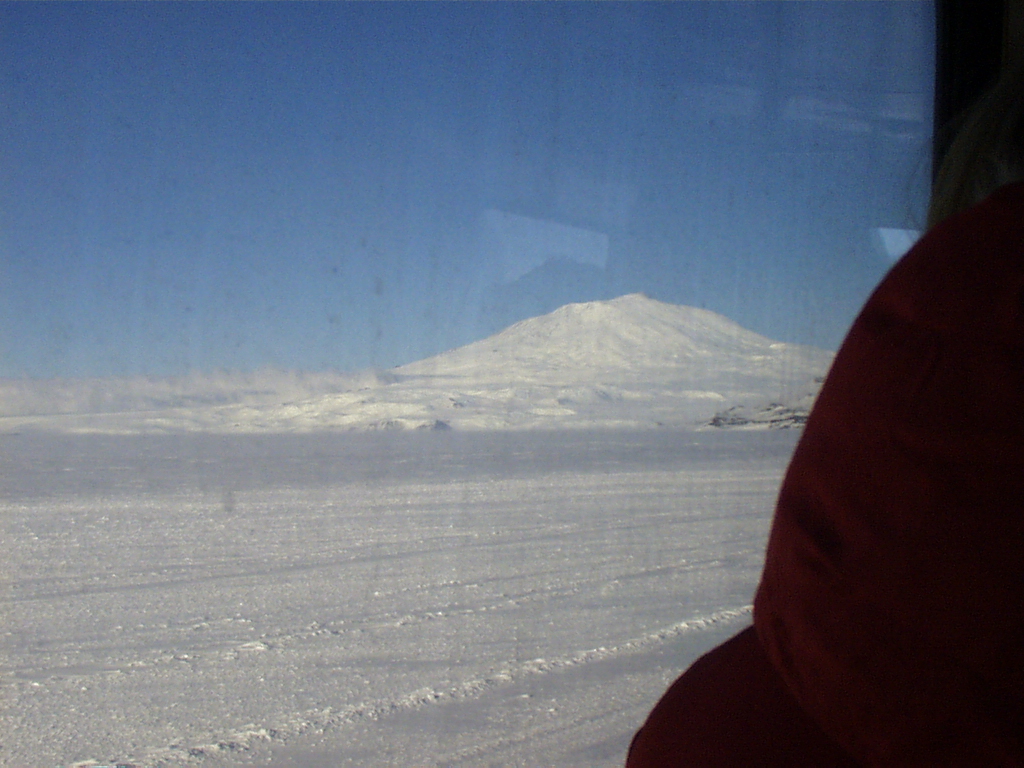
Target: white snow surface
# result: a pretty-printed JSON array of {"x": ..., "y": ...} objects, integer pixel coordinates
[
  {"x": 631, "y": 362},
  {"x": 344, "y": 599}
]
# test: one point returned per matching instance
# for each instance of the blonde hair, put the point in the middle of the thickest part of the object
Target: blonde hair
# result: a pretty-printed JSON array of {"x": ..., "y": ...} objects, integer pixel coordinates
[{"x": 987, "y": 153}]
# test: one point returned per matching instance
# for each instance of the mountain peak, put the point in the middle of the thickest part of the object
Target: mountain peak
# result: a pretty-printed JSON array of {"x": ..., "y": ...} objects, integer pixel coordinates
[{"x": 628, "y": 334}]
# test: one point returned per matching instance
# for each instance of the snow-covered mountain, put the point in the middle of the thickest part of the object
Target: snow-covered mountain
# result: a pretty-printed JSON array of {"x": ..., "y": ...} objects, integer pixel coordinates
[{"x": 628, "y": 362}]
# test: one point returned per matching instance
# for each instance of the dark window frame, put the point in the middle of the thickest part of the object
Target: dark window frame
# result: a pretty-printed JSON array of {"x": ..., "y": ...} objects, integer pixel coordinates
[{"x": 975, "y": 40}]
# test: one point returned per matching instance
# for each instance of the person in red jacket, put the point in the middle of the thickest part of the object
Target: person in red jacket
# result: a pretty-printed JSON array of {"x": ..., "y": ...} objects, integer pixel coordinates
[{"x": 889, "y": 621}]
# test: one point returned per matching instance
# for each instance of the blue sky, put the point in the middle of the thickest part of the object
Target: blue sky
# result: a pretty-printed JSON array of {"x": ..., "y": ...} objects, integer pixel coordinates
[{"x": 315, "y": 186}]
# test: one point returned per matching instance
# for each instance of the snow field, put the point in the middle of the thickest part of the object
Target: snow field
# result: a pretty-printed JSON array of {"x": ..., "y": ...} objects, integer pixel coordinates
[{"x": 403, "y": 599}]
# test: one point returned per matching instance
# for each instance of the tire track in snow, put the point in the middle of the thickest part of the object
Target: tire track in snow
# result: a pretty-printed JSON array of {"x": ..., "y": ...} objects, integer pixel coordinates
[{"x": 322, "y": 720}]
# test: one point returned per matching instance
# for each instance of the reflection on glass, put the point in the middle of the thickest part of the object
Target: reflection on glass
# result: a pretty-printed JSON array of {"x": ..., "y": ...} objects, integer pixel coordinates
[{"x": 247, "y": 514}]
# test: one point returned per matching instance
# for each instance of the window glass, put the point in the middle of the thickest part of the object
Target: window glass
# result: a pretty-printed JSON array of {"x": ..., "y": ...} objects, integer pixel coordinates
[{"x": 232, "y": 527}]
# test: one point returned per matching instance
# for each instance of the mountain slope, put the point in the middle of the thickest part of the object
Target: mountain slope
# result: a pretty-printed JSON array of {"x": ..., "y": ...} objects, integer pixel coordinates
[
  {"x": 628, "y": 336},
  {"x": 629, "y": 362}
]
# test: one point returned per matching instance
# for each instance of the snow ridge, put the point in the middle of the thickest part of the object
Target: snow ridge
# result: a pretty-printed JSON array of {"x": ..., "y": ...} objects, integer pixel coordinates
[{"x": 247, "y": 737}]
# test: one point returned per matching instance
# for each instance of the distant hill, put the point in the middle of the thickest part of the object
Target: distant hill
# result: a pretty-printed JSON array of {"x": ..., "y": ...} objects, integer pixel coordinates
[{"x": 628, "y": 362}]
